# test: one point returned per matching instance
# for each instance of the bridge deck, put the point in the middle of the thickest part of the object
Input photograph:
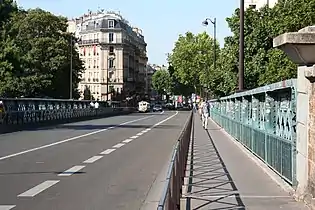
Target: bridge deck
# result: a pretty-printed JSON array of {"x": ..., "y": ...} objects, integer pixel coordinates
[{"x": 225, "y": 177}]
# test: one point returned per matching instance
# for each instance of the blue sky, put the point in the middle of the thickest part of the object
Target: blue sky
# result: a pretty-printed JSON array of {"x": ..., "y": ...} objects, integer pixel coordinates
[{"x": 161, "y": 20}]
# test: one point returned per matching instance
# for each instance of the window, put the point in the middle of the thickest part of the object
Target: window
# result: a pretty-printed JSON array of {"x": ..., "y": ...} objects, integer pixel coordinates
[
  {"x": 110, "y": 23},
  {"x": 111, "y": 49},
  {"x": 252, "y": 6},
  {"x": 111, "y": 37},
  {"x": 111, "y": 63},
  {"x": 94, "y": 64}
]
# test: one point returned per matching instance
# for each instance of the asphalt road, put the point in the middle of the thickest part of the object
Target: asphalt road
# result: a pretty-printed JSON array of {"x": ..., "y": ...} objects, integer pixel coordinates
[{"x": 103, "y": 164}]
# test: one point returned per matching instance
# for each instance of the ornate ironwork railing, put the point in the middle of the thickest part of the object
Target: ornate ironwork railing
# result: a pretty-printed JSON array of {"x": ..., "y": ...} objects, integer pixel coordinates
[
  {"x": 16, "y": 113},
  {"x": 264, "y": 121}
]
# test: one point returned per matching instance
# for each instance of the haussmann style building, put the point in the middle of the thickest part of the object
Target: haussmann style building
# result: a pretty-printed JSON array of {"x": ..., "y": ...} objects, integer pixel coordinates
[{"x": 114, "y": 55}]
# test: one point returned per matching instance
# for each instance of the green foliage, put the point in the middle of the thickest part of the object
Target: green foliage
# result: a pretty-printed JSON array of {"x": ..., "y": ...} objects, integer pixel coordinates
[
  {"x": 35, "y": 56},
  {"x": 161, "y": 81},
  {"x": 177, "y": 87},
  {"x": 263, "y": 64},
  {"x": 192, "y": 59},
  {"x": 87, "y": 94}
]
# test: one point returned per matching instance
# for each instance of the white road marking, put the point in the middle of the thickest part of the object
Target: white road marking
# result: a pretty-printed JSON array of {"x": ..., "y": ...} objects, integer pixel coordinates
[
  {"x": 39, "y": 188},
  {"x": 67, "y": 140},
  {"x": 139, "y": 134},
  {"x": 134, "y": 137},
  {"x": 148, "y": 129},
  {"x": 110, "y": 127},
  {"x": 107, "y": 152},
  {"x": 159, "y": 123},
  {"x": 93, "y": 159},
  {"x": 127, "y": 140},
  {"x": 118, "y": 145},
  {"x": 6, "y": 207},
  {"x": 71, "y": 171},
  {"x": 162, "y": 112}
]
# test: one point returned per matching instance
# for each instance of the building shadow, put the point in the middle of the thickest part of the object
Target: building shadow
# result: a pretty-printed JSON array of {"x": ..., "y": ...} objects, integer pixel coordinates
[{"x": 211, "y": 186}]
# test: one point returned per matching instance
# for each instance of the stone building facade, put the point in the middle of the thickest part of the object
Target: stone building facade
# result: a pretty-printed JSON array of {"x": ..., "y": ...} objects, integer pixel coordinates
[{"x": 114, "y": 55}]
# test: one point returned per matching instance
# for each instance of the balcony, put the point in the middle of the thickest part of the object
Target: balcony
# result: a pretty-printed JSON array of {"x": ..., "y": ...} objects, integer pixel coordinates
[
  {"x": 100, "y": 41},
  {"x": 88, "y": 42}
]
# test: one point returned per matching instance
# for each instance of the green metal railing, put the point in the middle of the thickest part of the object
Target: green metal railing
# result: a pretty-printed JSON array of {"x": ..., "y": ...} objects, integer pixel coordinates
[{"x": 264, "y": 121}]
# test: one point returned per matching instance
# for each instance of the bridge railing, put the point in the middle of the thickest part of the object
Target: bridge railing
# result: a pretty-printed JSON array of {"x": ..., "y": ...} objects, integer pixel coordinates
[
  {"x": 264, "y": 121},
  {"x": 170, "y": 199},
  {"x": 23, "y": 112}
]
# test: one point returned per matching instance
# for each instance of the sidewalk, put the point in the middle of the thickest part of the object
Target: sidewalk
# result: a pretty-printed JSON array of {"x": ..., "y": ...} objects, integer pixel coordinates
[{"x": 224, "y": 177}]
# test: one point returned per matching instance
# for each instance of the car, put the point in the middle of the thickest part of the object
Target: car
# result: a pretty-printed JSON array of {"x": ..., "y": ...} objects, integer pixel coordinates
[{"x": 157, "y": 108}]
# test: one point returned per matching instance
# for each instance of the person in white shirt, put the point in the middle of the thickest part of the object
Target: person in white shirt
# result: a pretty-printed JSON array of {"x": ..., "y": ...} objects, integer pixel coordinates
[
  {"x": 205, "y": 114},
  {"x": 92, "y": 104},
  {"x": 96, "y": 105}
]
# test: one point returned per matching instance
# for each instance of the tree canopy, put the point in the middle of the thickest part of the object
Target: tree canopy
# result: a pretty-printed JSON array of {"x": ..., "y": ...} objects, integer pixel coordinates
[
  {"x": 161, "y": 81},
  {"x": 192, "y": 59},
  {"x": 35, "y": 54},
  {"x": 263, "y": 64}
]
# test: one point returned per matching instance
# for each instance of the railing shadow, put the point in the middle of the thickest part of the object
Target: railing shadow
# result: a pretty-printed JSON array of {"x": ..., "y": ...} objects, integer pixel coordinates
[{"x": 211, "y": 186}]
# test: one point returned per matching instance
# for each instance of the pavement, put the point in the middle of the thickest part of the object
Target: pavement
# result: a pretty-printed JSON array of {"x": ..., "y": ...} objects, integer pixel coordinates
[
  {"x": 222, "y": 176},
  {"x": 102, "y": 164}
]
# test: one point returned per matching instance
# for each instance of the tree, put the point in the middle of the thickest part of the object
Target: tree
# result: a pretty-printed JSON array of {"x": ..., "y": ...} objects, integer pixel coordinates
[
  {"x": 87, "y": 94},
  {"x": 37, "y": 57},
  {"x": 161, "y": 81},
  {"x": 263, "y": 64},
  {"x": 192, "y": 59},
  {"x": 178, "y": 88}
]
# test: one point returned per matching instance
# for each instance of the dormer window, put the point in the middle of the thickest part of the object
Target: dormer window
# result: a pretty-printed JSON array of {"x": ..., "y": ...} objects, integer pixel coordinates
[{"x": 110, "y": 23}]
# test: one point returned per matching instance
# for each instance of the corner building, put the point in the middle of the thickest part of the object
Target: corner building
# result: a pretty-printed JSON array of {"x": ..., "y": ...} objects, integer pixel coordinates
[{"x": 114, "y": 54}]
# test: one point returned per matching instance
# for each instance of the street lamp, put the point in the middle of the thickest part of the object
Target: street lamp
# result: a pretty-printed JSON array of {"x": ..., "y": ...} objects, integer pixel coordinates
[
  {"x": 109, "y": 70},
  {"x": 214, "y": 22},
  {"x": 241, "y": 49},
  {"x": 72, "y": 42}
]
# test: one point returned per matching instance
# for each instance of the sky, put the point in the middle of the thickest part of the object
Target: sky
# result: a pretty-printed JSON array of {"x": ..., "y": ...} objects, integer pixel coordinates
[{"x": 162, "y": 21}]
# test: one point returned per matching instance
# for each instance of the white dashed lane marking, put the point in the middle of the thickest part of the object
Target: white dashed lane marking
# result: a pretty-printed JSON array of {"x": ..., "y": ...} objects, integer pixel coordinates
[
  {"x": 107, "y": 152},
  {"x": 134, "y": 137},
  {"x": 118, "y": 145},
  {"x": 6, "y": 207},
  {"x": 71, "y": 171},
  {"x": 39, "y": 188},
  {"x": 93, "y": 159},
  {"x": 127, "y": 140},
  {"x": 70, "y": 139}
]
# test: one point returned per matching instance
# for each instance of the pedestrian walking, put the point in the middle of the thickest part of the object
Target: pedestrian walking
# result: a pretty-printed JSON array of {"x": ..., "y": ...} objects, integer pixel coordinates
[{"x": 205, "y": 114}]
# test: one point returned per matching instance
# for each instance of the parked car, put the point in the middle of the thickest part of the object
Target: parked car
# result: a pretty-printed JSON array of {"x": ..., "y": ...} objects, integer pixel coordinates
[{"x": 157, "y": 108}]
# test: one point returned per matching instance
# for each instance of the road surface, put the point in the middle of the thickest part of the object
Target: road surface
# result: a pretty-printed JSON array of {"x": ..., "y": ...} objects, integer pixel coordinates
[{"x": 103, "y": 164}]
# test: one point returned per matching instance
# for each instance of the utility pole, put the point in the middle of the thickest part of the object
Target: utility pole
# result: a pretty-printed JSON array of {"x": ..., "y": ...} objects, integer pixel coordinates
[
  {"x": 241, "y": 49},
  {"x": 71, "y": 49}
]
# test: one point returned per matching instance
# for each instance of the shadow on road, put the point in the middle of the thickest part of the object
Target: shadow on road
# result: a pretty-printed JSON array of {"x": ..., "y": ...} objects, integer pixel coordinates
[{"x": 211, "y": 186}]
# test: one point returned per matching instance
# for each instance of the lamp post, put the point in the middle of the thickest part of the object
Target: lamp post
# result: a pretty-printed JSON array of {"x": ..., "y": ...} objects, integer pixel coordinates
[
  {"x": 214, "y": 22},
  {"x": 72, "y": 42},
  {"x": 241, "y": 49},
  {"x": 71, "y": 49},
  {"x": 109, "y": 69}
]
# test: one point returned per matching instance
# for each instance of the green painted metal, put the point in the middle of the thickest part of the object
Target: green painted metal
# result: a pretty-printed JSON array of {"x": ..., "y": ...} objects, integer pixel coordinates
[{"x": 264, "y": 121}]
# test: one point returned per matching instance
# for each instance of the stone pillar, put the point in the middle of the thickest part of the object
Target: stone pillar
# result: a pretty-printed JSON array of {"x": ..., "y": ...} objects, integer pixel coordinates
[{"x": 300, "y": 48}]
